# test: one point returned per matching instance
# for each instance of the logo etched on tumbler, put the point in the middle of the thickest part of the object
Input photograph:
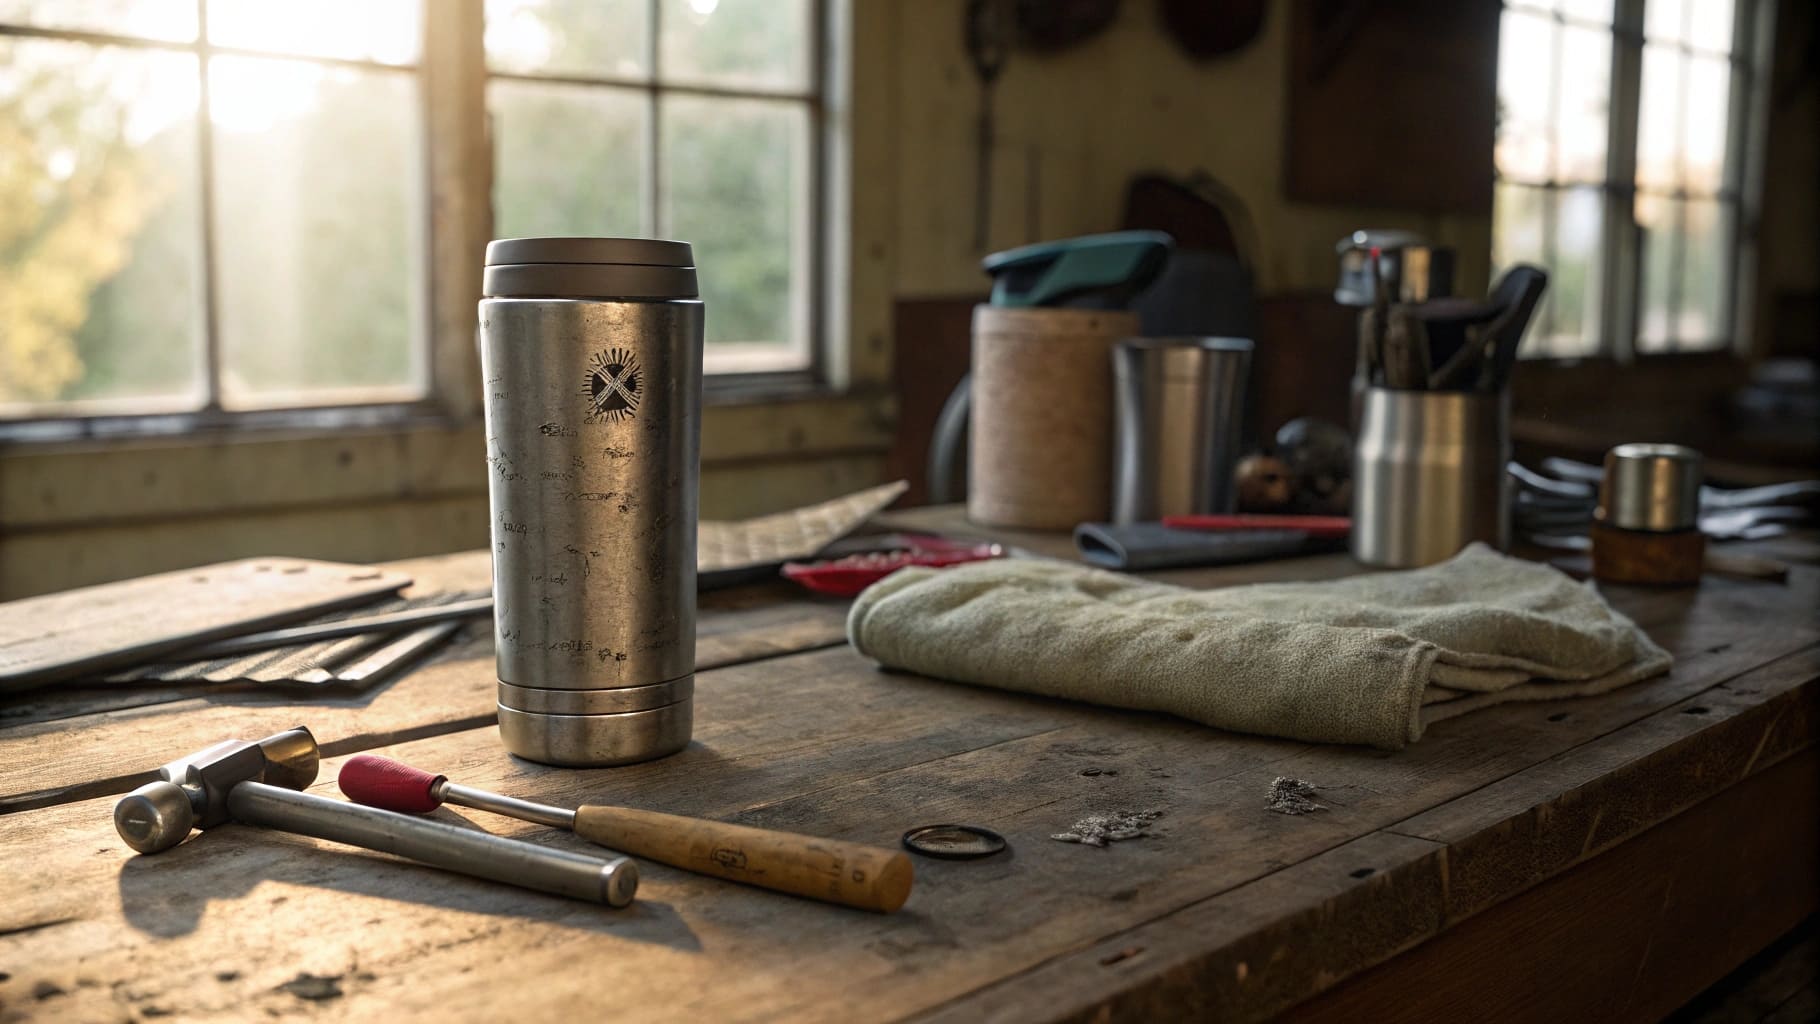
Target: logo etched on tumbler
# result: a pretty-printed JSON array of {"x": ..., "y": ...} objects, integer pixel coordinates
[{"x": 612, "y": 385}]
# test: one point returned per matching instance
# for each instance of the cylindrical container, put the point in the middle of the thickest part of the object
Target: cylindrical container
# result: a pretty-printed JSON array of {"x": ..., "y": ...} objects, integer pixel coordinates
[
  {"x": 1429, "y": 475},
  {"x": 1651, "y": 487},
  {"x": 1178, "y": 411},
  {"x": 1040, "y": 436},
  {"x": 1646, "y": 528},
  {"x": 591, "y": 356}
]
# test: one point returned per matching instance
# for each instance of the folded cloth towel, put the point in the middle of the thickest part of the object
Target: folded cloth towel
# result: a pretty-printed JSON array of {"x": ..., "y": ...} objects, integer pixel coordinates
[{"x": 1371, "y": 659}]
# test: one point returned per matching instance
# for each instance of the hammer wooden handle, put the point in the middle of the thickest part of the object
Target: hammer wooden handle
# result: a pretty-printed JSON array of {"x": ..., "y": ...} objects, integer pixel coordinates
[{"x": 850, "y": 874}]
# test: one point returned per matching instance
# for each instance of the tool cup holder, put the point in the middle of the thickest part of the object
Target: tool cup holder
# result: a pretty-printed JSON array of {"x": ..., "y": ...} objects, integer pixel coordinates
[{"x": 1429, "y": 475}]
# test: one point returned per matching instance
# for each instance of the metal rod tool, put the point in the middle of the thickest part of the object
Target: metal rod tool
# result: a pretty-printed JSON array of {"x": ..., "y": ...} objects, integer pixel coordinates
[{"x": 850, "y": 874}]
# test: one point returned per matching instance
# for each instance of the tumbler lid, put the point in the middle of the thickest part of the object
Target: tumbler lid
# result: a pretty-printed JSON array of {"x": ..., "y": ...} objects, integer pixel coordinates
[
  {"x": 1650, "y": 487},
  {"x": 589, "y": 268}
]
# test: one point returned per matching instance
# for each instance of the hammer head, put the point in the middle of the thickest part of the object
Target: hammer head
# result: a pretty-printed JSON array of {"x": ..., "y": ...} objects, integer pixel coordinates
[{"x": 191, "y": 792}]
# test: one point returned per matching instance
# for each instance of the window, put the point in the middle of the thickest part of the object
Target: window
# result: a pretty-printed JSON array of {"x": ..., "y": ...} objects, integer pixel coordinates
[
  {"x": 690, "y": 119},
  {"x": 1622, "y": 128},
  {"x": 215, "y": 209},
  {"x": 156, "y": 260}
]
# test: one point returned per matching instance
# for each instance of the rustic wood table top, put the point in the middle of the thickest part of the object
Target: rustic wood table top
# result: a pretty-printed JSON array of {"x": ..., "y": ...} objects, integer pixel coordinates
[{"x": 1601, "y": 858}]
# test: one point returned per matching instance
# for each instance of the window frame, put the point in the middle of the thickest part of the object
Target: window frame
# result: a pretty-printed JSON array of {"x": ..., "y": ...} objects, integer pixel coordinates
[
  {"x": 456, "y": 167},
  {"x": 653, "y": 87},
  {"x": 1621, "y": 259},
  {"x": 212, "y": 415}
]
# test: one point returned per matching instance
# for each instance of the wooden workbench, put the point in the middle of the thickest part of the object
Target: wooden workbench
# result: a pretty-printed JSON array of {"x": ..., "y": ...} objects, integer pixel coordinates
[{"x": 1604, "y": 858}]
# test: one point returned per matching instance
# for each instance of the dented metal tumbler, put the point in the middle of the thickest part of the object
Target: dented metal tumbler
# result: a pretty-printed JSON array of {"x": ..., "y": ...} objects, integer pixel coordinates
[{"x": 591, "y": 359}]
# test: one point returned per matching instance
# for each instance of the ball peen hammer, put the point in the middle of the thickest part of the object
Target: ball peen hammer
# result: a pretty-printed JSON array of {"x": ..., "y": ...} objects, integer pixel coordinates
[
  {"x": 850, "y": 874},
  {"x": 259, "y": 783}
]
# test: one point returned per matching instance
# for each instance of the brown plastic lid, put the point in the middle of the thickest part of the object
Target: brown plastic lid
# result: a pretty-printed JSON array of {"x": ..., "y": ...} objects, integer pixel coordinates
[{"x": 589, "y": 268}]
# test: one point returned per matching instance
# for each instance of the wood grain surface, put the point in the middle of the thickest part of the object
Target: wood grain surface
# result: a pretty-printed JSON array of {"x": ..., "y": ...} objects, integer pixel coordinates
[
  {"x": 1500, "y": 833},
  {"x": 80, "y": 742}
]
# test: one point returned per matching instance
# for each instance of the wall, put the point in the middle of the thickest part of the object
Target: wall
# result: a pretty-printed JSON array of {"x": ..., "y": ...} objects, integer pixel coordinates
[
  {"x": 1788, "y": 268},
  {"x": 1073, "y": 128}
]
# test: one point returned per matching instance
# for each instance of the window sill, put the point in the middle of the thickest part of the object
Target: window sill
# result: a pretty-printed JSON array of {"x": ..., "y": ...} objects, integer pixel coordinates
[{"x": 420, "y": 454}]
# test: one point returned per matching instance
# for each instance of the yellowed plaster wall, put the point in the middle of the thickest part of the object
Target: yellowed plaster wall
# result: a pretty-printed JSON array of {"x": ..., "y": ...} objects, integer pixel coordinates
[{"x": 1079, "y": 124}]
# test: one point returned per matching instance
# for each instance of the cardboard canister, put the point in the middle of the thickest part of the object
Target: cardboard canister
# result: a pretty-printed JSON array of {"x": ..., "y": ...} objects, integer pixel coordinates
[{"x": 1040, "y": 430}]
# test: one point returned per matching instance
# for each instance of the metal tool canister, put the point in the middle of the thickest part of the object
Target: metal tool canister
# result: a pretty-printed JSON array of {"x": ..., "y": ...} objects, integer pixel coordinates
[
  {"x": 1429, "y": 475},
  {"x": 591, "y": 355},
  {"x": 1178, "y": 411}
]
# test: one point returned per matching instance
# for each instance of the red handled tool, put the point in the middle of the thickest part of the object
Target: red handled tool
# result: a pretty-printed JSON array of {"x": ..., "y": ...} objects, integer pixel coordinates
[
  {"x": 850, "y": 874},
  {"x": 845, "y": 577},
  {"x": 1314, "y": 526}
]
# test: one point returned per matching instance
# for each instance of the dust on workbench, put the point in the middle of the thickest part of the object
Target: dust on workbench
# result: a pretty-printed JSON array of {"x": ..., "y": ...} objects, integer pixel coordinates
[
  {"x": 1292, "y": 796},
  {"x": 1111, "y": 827}
]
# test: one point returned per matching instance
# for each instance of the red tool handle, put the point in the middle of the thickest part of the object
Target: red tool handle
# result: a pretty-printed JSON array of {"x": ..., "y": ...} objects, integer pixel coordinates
[
  {"x": 382, "y": 782},
  {"x": 1314, "y": 526},
  {"x": 845, "y": 577}
]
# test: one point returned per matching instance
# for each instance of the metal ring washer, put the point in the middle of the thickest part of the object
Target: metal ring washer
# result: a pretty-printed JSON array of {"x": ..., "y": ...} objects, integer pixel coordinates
[{"x": 954, "y": 842}]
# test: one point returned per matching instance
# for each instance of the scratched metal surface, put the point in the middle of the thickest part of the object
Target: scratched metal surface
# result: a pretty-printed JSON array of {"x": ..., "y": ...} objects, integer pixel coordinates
[
  {"x": 309, "y": 665},
  {"x": 45, "y": 640}
]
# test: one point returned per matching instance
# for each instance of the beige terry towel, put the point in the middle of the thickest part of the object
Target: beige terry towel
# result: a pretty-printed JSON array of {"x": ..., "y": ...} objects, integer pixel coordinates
[{"x": 1370, "y": 659}]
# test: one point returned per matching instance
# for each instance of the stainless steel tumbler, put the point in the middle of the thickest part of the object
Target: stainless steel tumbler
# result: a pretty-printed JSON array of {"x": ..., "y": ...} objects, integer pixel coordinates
[
  {"x": 1429, "y": 475},
  {"x": 591, "y": 358},
  {"x": 1178, "y": 411}
]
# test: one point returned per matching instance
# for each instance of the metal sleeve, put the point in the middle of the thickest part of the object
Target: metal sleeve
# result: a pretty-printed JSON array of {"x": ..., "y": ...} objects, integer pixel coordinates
[
  {"x": 511, "y": 807},
  {"x": 600, "y": 880}
]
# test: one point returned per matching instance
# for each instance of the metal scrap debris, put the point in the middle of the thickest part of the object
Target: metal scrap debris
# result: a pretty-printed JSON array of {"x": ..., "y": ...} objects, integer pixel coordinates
[
  {"x": 1100, "y": 829},
  {"x": 1291, "y": 796},
  {"x": 314, "y": 987}
]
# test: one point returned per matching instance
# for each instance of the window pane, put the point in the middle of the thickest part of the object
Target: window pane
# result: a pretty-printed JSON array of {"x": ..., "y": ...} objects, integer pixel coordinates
[
  {"x": 1664, "y": 20},
  {"x": 1706, "y": 272},
  {"x": 1573, "y": 319},
  {"x": 1525, "y": 69},
  {"x": 1708, "y": 105},
  {"x": 736, "y": 42},
  {"x": 590, "y": 38},
  {"x": 318, "y": 258},
  {"x": 1585, "y": 103},
  {"x": 736, "y": 186},
  {"x": 173, "y": 20},
  {"x": 1710, "y": 25},
  {"x": 1516, "y": 235},
  {"x": 1588, "y": 10},
  {"x": 1658, "y": 127},
  {"x": 387, "y": 31},
  {"x": 98, "y": 282},
  {"x": 569, "y": 160},
  {"x": 1660, "y": 218}
]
